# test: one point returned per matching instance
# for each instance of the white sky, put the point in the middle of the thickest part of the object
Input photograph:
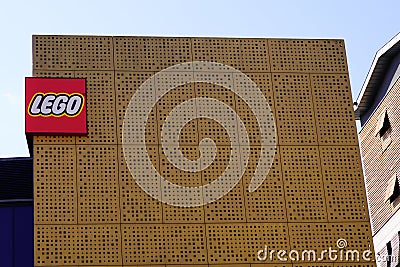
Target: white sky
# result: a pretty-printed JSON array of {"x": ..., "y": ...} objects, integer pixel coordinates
[{"x": 365, "y": 25}]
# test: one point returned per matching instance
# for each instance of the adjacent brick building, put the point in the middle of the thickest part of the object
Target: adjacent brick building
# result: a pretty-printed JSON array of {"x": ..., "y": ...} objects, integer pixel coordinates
[{"x": 378, "y": 108}]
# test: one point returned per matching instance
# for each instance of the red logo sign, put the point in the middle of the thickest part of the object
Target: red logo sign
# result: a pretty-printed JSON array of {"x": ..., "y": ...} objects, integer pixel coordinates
[{"x": 55, "y": 106}]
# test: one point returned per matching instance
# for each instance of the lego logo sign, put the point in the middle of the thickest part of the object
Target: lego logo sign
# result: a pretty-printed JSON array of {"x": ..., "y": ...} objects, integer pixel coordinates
[{"x": 55, "y": 106}]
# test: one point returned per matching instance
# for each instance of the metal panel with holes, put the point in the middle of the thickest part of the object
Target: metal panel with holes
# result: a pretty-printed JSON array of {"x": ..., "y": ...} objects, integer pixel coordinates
[
  {"x": 101, "y": 116},
  {"x": 90, "y": 209},
  {"x": 307, "y": 56},
  {"x": 294, "y": 110},
  {"x": 55, "y": 190}
]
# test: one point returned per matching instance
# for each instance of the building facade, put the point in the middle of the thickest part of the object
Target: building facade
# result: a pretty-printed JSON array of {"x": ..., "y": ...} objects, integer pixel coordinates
[
  {"x": 378, "y": 111},
  {"x": 97, "y": 202}
]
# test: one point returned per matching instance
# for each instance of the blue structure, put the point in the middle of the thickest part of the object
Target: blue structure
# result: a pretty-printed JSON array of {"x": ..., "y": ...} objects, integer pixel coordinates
[{"x": 16, "y": 212}]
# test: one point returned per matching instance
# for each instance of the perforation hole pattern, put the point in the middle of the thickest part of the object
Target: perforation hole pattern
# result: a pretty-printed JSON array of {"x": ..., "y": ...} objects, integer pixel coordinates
[
  {"x": 55, "y": 180},
  {"x": 312, "y": 56},
  {"x": 344, "y": 183},
  {"x": 326, "y": 235},
  {"x": 90, "y": 244},
  {"x": 89, "y": 211},
  {"x": 101, "y": 116},
  {"x": 72, "y": 53},
  {"x": 98, "y": 198},
  {"x": 294, "y": 109},
  {"x": 333, "y": 109},
  {"x": 136, "y": 205},
  {"x": 304, "y": 188},
  {"x": 150, "y": 54}
]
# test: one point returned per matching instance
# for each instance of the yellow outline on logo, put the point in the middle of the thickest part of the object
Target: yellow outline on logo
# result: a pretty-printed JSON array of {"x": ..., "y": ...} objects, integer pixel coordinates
[{"x": 52, "y": 115}]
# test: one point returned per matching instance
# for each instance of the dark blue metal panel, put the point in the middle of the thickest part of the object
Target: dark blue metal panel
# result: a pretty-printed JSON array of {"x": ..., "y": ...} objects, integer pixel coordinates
[
  {"x": 16, "y": 178},
  {"x": 23, "y": 236},
  {"x": 6, "y": 237}
]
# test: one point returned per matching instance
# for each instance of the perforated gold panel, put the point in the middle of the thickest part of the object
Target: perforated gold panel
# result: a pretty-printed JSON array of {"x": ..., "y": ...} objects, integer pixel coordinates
[
  {"x": 294, "y": 108},
  {"x": 231, "y": 207},
  {"x": 268, "y": 203},
  {"x": 333, "y": 109},
  {"x": 75, "y": 245},
  {"x": 164, "y": 244},
  {"x": 101, "y": 116},
  {"x": 72, "y": 53},
  {"x": 304, "y": 188},
  {"x": 326, "y": 235},
  {"x": 126, "y": 84},
  {"x": 208, "y": 128},
  {"x": 97, "y": 171},
  {"x": 307, "y": 56},
  {"x": 90, "y": 210},
  {"x": 150, "y": 53},
  {"x": 172, "y": 214},
  {"x": 240, "y": 240},
  {"x": 342, "y": 172},
  {"x": 167, "y": 103},
  {"x": 222, "y": 50},
  {"x": 136, "y": 205},
  {"x": 55, "y": 179}
]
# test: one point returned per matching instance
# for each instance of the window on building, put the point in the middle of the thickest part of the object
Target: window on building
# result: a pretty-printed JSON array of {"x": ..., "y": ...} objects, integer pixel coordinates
[
  {"x": 384, "y": 129},
  {"x": 393, "y": 189},
  {"x": 398, "y": 249},
  {"x": 389, "y": 253}
]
